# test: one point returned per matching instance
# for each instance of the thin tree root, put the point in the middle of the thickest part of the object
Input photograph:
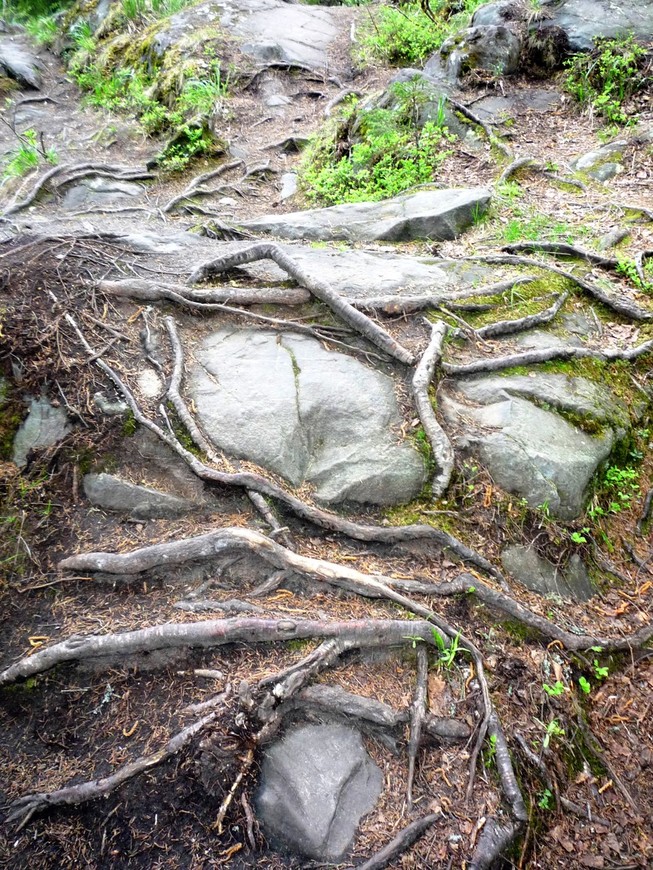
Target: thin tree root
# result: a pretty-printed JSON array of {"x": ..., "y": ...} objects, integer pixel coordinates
[
  {"x": 400, "y": 844},
  {"x": 417, "y": 714},
  {"x": 440, "y": 444},
  {"x": 510, "y": 327}
]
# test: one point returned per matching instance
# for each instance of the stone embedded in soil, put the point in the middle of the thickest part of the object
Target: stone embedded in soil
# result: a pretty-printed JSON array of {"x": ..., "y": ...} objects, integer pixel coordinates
[
  {"x": 44, "y": 426},
  {"x": 490, "y": 47},
  {"x": 428, "y": 215},
  {"x": 309, "y": 414},
  {"x": 19, "y": 63},
  {"x": 531, "y": 452},
  {"x": 139, "y": 502},
  {"x": 100, "y": 192},
  {"x": 316, "y": 784},
  {"x": 541, "y": 576},
  {"x": 268, "y": 31}
]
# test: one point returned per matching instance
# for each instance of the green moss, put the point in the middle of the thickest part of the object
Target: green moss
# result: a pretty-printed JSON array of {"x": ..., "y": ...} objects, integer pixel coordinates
[{"x": 129, "y": 426}]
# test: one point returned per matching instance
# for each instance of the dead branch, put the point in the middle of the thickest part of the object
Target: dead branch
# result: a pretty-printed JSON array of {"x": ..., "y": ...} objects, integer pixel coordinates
[
  {"x": 440, "y": 444},
  {"x": 358, "y": 321},
  {"x": 614, "y": 301},
  {"x": 532, "y": 357},
  {"x": 25, "y": 807},
  {"x": 510, "y": 327},
  {"x": 401, "y": 843},
  {"x": 640, "y": 259},
  {"x": 417, "y": 714},
  {"x": 646, "y": 512},
  {"x": 212, "y": 633}
]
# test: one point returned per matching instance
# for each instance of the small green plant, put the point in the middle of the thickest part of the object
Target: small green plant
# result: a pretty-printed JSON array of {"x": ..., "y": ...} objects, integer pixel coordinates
[
  {"x": 545, "y": 799},
  {"x": 628, "y": 270},
  {"x": 600, "y": 672},
  {"x": 608, "y": 76},
  {"x": 584, "y": 685},
  {"x": 447, "y": 652},
  {"x": 43, "y": 29},
  {"x": 490, "y": 753},
  {"x": 558, "y": 688},
  {"x": 27, "y": 155},
  {"x": 579, "y": 537},
  {"x": 553, "y": 729}
]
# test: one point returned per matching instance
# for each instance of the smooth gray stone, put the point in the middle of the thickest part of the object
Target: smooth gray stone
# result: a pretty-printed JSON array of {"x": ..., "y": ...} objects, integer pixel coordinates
[
  {"x": 585, "y": 20},
  {"x": 429, "y": 214},
  {"x": 288, "y": 185},
  {"x": 20, "y": 64},
  {"x": 576, "y": 395},
  {"x": 44, "y": 426},
  {"x": 541, "y": 576},
  {"x": 316, "y": 784},
  {"x": 99, "y": 192},
  {"x": 490, "y": 47},
  {"x": 269, "y": 31},
  {"x": 139, "y": 502},
  {"x": 530, "y": 452},
  {"x": 283, "y": 401},
  {"x": 594, "y": 162}
]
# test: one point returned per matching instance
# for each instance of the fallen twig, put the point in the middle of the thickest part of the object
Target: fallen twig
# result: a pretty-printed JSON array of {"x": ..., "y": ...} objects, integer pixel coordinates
[{"x": 417, "y": 714}]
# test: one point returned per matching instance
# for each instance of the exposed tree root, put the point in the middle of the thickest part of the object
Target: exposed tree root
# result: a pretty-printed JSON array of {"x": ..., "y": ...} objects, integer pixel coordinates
[
  {"x": 614, "y": 300},
  {"x": 510, "y": 327},
  {"x": 65, "y": 173},
  {"x": 151, "y": 291},
  {"x": 422, "y": 378},
  {"x": 532, "y": 357},
  {"x": 25, "y": 807},
  {"x": 645, "y": 515},
  {"x": 194, "y": 187},
  {"x": 212, "y": 633},
  {"x": 400, "y": 844},
  {"x": 466, "y": 112},
  {"x": 258, "y": 483},
  {"x": 358, "y": 321},
  {"x": 230, "y": 540},
  {"x": 562, "y": 249},
  {"x": 417, "y": 714}
]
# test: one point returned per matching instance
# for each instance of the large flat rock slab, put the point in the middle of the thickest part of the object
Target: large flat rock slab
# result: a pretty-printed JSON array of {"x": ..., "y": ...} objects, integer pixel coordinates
[
  {"x": 316, "y": 784},
  {"x": 268, "y": 31},
  {"x": 309, "y": 414},
  {"x": 585, "y": 20},
  {"x": 529, "y": 451},
  {"x": 429, "y": 214}
]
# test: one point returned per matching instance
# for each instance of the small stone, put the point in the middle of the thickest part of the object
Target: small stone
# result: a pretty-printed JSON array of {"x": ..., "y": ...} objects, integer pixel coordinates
[
  {"x": 44, "y": 426},
  {"x": 316, "y": 784},
  {"x": 139, "y": 502}
]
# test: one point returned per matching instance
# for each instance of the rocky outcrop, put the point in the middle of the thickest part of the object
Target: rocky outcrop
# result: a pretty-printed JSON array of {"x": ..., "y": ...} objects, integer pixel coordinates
[
  {"x": 309, "y": 414},
  {"x": 429, "y": 214}
]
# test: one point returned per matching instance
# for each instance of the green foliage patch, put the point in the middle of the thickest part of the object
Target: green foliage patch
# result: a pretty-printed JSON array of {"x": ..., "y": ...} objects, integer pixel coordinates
[
  {"x": 389, "y": 152},
  {"x": 608, "y": 76}
]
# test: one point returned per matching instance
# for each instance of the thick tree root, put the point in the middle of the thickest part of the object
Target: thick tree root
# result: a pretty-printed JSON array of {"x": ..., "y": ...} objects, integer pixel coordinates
[
  {"x": 562, "y": 249},
  {"x": 400, "y": 844},
  {"x": 231, "y": 540},
  {"x": 440, "y": 444},
  {"x": 532, "y": 357},
  {"x": 155, "y": 291},
  {"x": 510, "y": 327},
  {"x": 212, "y": 633},
  {"x": 358, "y": 321}
]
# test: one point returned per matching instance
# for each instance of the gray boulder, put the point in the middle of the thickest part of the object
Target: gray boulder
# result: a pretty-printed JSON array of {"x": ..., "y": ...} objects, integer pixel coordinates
[
  {"x": 20, "y": 64},
  {"x": 583, "y": 21},
  {"x": 268, "y": 31},
  {"x": 286, "y": 403},
  {"x": 99, "y": 192},
  {"x": 531, "y": 452},
  {"x": 44, "y": 426},
  {"x": 497, "y": 14},
  {"x": 139, "y": 502},
  {"x": 541, "y": 576},
  {"x": 316, "y": 784},
  {"x": 429, "y": 214},
  {"x": 602, "y": 163},
  {"x": 492, "y": 47}
]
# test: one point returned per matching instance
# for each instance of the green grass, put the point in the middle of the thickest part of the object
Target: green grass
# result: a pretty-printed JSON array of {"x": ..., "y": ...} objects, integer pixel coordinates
[{"x": 27, "y": 156}]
